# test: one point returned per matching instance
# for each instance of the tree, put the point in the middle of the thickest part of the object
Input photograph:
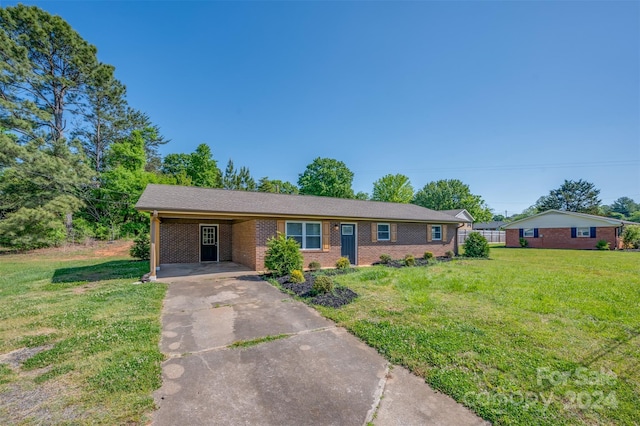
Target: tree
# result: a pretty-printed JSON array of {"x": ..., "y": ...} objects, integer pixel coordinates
[
  {"x": 276, "y": 186},
  {"x": 573, "y": 196},
  {"x": 104, "y": 114},
  {"x": 44, "y": 68},
  {"x": 393, "y": 188},
  {"x": 625, "y": 206},
  {"x": 361, "y": 195},
  {"x": 452, "y": 194},
  {"x": 238, "y": 179},
  {"x": 196, "y": 169},
  {"x": 41, "y": 186},
  {"x": 230, "y": 178},
  {"x": 245, "y": 181},
  {"x": 326, "y": 177}
]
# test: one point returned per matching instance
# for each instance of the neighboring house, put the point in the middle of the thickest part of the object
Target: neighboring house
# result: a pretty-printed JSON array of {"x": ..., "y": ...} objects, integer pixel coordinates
[
  {"x": 565, "y": 230},
  {"x": 463, "y": 214},
  {"x": 489, "y": 226},
  {"x": 190, "y": 224}
]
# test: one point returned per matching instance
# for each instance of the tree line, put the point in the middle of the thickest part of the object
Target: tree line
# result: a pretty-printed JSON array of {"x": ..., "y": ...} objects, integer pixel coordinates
[{"x": 75, "y": 156}]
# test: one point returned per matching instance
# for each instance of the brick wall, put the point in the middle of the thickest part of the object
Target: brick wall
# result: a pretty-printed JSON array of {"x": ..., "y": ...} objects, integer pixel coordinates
[
  {"x": 180, "y": 240},
  {"x": 411, "y": 239},
  {"x": 243, "y": 235},
  {"x": 561, "y": 238}
]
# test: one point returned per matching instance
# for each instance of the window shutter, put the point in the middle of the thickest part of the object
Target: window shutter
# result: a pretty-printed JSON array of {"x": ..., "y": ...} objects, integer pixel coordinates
[
  {"x": 374, "y": 232},
  {"x": 444, "y": 233},
  {"x": 535, "y": 233},
  {"x": 592, "y": 232},
  {"x": 394, "y": 232},
  {"x": 521, "y": 232},
  {"x": 574, "y": 232},
  {"x": 280, "y": 227},
  {"x": 326, "y": 235},
  {"x": 428, "y": 233}
]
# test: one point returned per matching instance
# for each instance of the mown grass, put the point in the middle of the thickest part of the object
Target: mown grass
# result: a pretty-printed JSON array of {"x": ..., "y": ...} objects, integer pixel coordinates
[
  {"x": 527, "y": 337},
  {"x": 101, "y": 333}
]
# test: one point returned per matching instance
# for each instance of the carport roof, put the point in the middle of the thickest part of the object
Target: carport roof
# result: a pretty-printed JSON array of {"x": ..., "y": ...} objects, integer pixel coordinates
[{"x": 189, "y": 199}]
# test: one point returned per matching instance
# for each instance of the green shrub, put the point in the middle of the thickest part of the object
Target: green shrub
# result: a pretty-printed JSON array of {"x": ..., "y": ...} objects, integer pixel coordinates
[
  {"x": 141, "y": 248},
  {"x": 385, "y": 258},
  {"x": 450, "y": 254},
  {"x": 427, "y": 255},
  {"x": 297, "y": 276},
  {"x": 343, "y": 263},
  {"x": 476, "y": 246},
  {"x": 283, "y": 255},
  {"x": 314, "y": 266},
  {"x": 631, "y": 236},
  {"x": 409, "y": 260},
  {"x": 524, "y": 242},
  {"x": 602, "y": 245},
  {"x": 323, "y": 284}
]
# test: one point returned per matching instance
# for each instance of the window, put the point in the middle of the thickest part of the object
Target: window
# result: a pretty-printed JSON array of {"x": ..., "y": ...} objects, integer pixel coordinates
[
  {"x": 307, "y": 234},
  {"x": 584, "y": 232},
  {"x": 384, "y": 232},
  {"x": 436, "y": 232},
  {"x": 347, "y": 229},
  {"x": 528, "y": 232}
]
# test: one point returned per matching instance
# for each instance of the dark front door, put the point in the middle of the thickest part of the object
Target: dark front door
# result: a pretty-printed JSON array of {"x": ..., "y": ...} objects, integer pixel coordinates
[
  {"x": 208, "y": 243},
  {"x": 348, "y": 242}
]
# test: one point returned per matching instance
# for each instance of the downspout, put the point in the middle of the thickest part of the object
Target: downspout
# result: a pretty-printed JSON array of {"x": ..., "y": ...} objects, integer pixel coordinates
[{"x": 455, "y": 245}]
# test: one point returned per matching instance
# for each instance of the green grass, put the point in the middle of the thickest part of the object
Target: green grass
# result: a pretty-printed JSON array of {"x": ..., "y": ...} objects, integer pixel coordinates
[
  {"x": 501, "y": 335},
  {"x": 253, "y": 342},
  {"x": 101, "y": 330}
]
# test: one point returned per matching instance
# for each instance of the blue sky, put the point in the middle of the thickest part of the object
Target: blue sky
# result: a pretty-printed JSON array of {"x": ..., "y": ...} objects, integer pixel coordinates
[{"x": 510, "y": 97}]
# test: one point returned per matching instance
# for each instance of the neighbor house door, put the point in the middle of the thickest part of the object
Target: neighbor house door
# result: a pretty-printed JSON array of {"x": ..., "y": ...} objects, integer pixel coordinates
[
  {"x": 348, "y": 241},
  {"x": 208, "y": 243}
]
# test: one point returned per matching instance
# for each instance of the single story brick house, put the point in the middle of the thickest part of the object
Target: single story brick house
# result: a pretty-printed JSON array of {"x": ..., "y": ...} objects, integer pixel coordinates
[
  {"x": 565, "y": 230},
  {"x": 461, "y": 214},
  {"x": 190, "y": 225}
]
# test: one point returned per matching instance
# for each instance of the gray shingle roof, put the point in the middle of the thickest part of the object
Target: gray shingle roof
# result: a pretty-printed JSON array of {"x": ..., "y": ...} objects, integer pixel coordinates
[{"x": 206, "y": 200}]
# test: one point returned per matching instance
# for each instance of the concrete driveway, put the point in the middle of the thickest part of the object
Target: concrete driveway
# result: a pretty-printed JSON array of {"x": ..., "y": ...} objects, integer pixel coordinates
[{"x": 295, "y": 367}]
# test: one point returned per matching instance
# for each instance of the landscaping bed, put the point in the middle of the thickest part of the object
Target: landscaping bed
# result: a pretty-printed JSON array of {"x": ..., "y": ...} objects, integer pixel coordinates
[
  {"x": 340, "y": 296},
  {"x": 400, "y": 263}
]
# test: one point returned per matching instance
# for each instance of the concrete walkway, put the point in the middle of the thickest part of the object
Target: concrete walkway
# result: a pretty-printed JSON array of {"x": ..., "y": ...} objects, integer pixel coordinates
[{"x": 297, "y": 368}]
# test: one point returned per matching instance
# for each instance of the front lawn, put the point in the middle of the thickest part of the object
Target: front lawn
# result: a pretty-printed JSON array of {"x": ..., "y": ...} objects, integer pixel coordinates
[
  {"x": 528, "y": 337},
  {"x": 78, "y": 339}
]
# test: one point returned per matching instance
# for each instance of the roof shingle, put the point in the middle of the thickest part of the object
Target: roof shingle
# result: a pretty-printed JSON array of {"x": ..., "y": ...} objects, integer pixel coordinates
[{"x": 207, "y": 200}]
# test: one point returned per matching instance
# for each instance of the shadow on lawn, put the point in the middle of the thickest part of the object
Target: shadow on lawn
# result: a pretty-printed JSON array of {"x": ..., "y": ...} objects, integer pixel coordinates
[{"x": 103, "y": 271}]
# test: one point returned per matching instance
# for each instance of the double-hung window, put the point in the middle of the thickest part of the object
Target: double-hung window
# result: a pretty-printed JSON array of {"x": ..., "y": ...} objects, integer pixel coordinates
[
  {"x": 307, "y": 234},
  {"x": 583, "y": 232},
  {"x": 384, "y": 232},
  {"x": 436, "y": 232},
  {"x": 529, "y": 232}
]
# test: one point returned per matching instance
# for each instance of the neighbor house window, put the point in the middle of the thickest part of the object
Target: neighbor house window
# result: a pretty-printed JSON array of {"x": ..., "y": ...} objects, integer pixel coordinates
[
  {"x": 307, "y": 234},
  {"x": 436, "y": 232},
  {"x": 528, "y": 232},
  {"x": 383, "y": 232},
  {"x": 584, "y": 232}
]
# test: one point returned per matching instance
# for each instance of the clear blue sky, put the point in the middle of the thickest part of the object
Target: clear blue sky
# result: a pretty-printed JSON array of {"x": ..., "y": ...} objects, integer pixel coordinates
[{"x": 510, "y": 97}]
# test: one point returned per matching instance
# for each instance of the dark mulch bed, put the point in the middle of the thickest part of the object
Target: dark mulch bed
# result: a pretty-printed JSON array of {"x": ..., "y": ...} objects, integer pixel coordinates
[{"x": 339, "y": 297}]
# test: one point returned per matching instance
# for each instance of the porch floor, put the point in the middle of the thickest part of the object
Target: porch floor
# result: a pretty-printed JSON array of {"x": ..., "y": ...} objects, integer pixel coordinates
[{"x": 175, "y": 271}]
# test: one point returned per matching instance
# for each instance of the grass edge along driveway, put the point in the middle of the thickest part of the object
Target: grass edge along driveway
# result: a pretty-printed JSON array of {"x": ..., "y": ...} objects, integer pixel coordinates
[
  {"x": 527, "y": 337},
  {"x": 94, "y": 333}
]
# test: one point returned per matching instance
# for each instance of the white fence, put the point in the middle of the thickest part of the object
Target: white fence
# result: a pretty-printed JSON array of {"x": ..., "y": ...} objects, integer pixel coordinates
[{"x": 491, "y": 236}]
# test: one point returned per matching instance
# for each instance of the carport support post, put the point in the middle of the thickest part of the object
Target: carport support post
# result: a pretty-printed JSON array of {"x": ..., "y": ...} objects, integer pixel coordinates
[{"x": 153, "y": 255}]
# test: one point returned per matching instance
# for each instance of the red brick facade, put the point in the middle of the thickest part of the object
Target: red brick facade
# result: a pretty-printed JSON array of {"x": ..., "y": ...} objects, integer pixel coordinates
[
  {"x": 245, "y": 242},
  {"x": 180, "y": 240},
  {"x": 560, "y": 238}
]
